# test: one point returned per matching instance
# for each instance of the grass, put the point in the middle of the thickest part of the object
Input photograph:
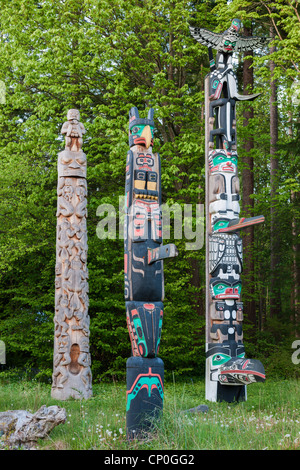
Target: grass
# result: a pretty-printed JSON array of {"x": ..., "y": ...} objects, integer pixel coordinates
[{"x": 268, "y": 420}]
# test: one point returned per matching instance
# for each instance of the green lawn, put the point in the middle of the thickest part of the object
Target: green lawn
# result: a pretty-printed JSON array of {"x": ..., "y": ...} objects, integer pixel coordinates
[{"x": 269, "y": 419}]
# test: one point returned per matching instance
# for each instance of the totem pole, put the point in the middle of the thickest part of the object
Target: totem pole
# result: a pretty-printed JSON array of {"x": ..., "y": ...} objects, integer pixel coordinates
[
  {"x": 71, "y": 363},
  {"x": 144, "y": 281},
  {"x": 227, "y": 370}
]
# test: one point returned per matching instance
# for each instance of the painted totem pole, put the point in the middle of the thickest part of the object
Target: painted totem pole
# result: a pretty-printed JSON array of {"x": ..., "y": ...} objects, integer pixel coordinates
[
  {"x": 71, "y": 364},
  {"x": 144, "y": 279},
  {"x": 227, "y": 370}
]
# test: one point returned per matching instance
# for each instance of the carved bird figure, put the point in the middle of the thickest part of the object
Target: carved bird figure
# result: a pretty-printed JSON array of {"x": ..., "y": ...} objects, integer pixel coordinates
[{"x": 229, "y": 41}]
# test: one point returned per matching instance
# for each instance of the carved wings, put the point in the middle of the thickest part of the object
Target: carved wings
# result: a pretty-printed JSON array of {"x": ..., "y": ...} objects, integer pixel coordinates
[
  {"x": 228, "y": 249},
  {"x": 217, "y": 248},
  {"x": 244, "y": 43},
  {"x": 215, "y": 40},
  {"x": 207, "y": 38}
]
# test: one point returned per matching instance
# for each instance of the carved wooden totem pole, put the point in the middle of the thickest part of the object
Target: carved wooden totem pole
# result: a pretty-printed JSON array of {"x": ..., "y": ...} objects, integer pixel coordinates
[
  {"x": 144, "y": 281},
  {"x": 227, "y": 370},
  {"x": 71, "y": 365}
]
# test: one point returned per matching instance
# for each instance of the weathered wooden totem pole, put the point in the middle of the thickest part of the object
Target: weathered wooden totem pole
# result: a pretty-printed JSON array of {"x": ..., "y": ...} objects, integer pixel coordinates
[
  {"x": 227, "y": 370},
  {"x": 144, "y": 280},
  {"x": 71, "y": 364}
]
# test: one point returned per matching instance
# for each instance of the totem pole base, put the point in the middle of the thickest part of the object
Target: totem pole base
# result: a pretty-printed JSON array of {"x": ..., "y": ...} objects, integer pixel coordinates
[
  {"x": 228, "y": 373},
  {"x": 145, "y": 385},
  {"x": 73, "y": 389},
  {"x": 216, "y": 392},
  {"x": 235, "y": 393}
]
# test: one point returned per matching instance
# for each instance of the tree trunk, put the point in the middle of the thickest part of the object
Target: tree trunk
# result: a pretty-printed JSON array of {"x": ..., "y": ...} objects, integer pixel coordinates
[
  {"x": 275, "y": 303},
  {"x": 295, "y": 305},
  {"x": 294, "y": 316}
]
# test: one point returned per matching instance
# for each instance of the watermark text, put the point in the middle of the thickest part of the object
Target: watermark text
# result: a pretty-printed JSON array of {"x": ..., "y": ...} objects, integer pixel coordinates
[{"x": 185, "y": 222}]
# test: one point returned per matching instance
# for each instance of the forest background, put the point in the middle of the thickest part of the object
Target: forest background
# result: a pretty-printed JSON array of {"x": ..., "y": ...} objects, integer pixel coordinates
[{"x": 102, "y": 57}]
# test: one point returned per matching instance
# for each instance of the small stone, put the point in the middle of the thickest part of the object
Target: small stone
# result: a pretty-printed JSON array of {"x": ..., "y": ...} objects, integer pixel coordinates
[{"x": 198, "y": 409}]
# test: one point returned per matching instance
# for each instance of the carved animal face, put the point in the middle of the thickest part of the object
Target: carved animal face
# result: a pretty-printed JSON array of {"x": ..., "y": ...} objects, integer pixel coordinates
[
  {"x": 220, "y": 224},
  {"x": 141, "y": 130},
  {"x": 142, "y": 135}
]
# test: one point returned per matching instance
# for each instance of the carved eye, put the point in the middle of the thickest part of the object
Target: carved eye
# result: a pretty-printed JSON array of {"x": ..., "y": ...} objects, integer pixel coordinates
[
  {"x": 220, "y": 359},
  {"x": 139, "y": 331},
  {"x": 135, "y": 130},
  {"x": 66, "y": 159},
  {"x": 152, "y": 177}
]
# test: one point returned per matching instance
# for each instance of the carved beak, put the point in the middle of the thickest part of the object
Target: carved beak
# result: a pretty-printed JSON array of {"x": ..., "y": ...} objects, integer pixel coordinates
[{"x": 147, "y": 136}]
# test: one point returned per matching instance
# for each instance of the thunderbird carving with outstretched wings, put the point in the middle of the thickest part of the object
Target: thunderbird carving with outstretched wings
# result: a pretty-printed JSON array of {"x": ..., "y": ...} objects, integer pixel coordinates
[{"x": 229, "y": 41}]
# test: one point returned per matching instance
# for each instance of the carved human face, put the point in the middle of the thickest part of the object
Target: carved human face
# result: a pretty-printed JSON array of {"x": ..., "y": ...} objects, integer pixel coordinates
[
  {"x": 73, "y": 161},
  {"x": 228, "y": 46},
  {"x": 63, "y": 343},
  {"x": 229, "y": 41},
  {"x": 64, "y": 301},
  {"x": 80, "y": 192},
  {"x": 223, "y": 162},
  {"x": 76, "y": 263},
  {"x": 84, "y": 345},
  {"x": 145, "y": 162},
  {"x": 73, "y": 114},
  {"x": 65, "y": 225},
  {"x": 58, "y": 269},
  {"x": 222, "y": 289},
  {"x": 72, "y": 164},
  {"x": 68, "y": 192}
]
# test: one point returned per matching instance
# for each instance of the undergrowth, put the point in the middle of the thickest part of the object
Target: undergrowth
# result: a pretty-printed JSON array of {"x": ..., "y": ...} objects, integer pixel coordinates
[{"x": 269, "y": 419}]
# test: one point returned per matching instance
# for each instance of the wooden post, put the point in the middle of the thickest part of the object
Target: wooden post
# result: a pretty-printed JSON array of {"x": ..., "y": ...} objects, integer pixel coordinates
[
  {"x": 227, "y": 370},
  {"x": 144, "y": 253},
  {"x": 71, "y": 363}
]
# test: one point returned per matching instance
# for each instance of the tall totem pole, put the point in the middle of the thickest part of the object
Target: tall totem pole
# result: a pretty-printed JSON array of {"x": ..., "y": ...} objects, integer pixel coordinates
[
  {"x": 71, "y": 364},
  {"x": 227, "y": 370},
  {"x": 144, "y": 279}
]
